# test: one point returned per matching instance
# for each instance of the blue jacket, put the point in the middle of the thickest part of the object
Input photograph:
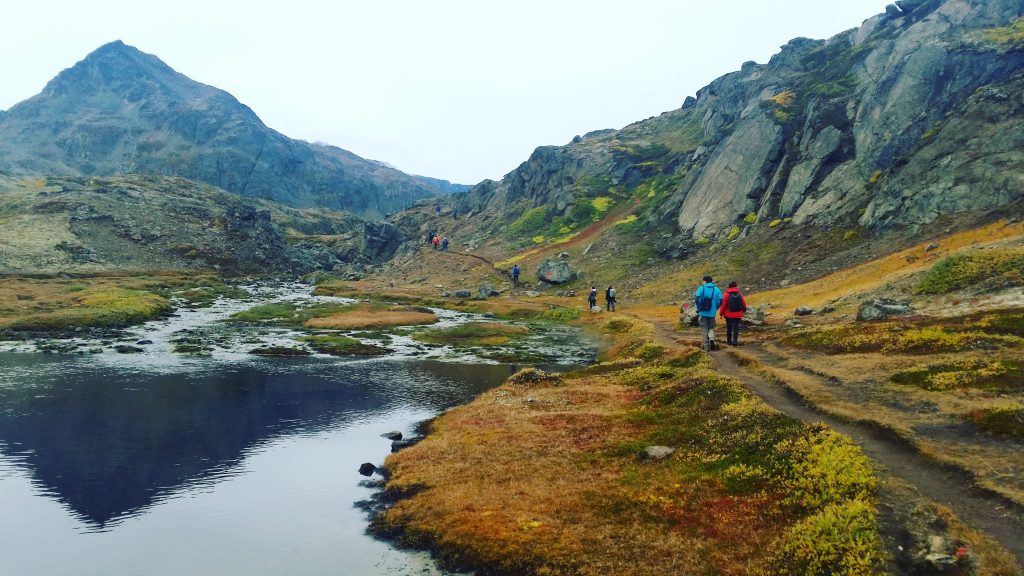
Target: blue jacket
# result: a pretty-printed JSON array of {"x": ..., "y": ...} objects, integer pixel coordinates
[{"x": 715, "y": 292}]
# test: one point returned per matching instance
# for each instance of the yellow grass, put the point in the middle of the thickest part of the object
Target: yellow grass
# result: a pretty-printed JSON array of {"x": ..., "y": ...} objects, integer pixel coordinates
[{"x": 363, "y": 318}]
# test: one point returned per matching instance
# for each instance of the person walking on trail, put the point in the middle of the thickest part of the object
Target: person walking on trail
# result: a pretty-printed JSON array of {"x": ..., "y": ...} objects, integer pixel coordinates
[
  {"x": 455, "y": 213},
  {"x": 708, "y": 299},
  {"x": 430, "y": 237},
  {"x": 436, "y": 242},
  {"x": 732, "y": 309},
  {"x": 609, "y": 299},
  {"x": 515, "y": 275},
  {"x": 444, "y": 244},
  {"x": 592, "y": 299},
  {"x": 437, "y": 209}
]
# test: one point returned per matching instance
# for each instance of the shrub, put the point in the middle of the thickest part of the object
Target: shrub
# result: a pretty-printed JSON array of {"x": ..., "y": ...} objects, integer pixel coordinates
[
  {"x": 774, "y": 223},
  {"x": 601, "y": 204},
  {"x": 840, "y": 539},
  {"x": 750, "y": 218},
  {"x": 825, "y": 468},
  {"x": 983, "y": 267},
  {"x": 1003, "y": 421},
  {"x": 529, "y": 222}
]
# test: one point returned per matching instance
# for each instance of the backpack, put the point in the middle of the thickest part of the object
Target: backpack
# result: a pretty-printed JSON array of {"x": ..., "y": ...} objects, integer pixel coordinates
[
  {"x": 705, "y": 302},
  {"x": 735, "y": 302}
]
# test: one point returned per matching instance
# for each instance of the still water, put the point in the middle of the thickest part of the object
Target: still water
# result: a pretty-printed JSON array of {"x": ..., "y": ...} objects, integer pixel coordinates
[{"x": 221, "y": 469}]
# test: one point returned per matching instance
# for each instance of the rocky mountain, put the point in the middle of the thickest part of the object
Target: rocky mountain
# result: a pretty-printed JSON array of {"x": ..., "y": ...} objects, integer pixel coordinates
[
  {"x": 135, "y": 223},
  {"x": 913, "y": 117},
  {"x": 123, "y": 111}
]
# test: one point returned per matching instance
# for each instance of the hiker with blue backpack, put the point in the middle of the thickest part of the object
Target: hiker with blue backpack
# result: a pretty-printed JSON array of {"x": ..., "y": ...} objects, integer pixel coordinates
[
  {"x": 708, "y": 299},
  {"x": 733, "y": 307}
]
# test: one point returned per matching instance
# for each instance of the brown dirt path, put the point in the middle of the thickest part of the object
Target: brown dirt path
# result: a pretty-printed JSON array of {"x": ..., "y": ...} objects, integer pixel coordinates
[{"x": 948, "y": 486}]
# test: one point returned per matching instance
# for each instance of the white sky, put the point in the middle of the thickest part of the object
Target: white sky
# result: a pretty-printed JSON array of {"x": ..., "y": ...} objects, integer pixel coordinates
[{"x": 460, "y": 90}]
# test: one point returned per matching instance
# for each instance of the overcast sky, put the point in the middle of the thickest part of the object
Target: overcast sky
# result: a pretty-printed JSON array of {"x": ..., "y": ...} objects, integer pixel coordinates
[{"x": 460, "y": 90}]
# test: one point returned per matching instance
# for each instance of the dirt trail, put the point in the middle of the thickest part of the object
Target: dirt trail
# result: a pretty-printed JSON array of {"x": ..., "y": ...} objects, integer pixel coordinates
[{"x": 948, "y": 486}]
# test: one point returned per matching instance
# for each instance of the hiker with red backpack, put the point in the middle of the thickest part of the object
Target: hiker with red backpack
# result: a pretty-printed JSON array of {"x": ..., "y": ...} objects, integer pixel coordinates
[{"x": 733, "y": 307}]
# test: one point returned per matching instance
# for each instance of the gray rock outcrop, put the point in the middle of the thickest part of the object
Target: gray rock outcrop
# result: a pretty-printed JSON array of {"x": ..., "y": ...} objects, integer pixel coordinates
[
  {"x": 881, "y": 308},
  {"x": 555, "y": 272}
]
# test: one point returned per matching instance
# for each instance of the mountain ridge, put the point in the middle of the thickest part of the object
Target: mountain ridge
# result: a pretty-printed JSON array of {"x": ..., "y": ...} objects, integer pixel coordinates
[{"x": 120, "y": 111}]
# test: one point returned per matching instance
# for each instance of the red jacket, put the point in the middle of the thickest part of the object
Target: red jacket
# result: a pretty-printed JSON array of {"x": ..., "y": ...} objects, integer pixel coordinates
[{"x": 724, "y": 312}]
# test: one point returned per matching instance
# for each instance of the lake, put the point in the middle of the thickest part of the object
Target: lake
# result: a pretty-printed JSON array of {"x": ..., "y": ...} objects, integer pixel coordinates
[{"x": 113, "y": 466}]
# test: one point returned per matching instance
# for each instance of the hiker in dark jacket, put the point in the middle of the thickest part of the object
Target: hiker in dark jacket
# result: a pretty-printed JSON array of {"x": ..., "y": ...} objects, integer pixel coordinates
[
  {"x": 515, "y": 275},
  {"x": 732, "y": 309},
  {"x": 592, "y": 299},
  {"x": 609, "y": 299},
  {"x": 444, "y": 244}
]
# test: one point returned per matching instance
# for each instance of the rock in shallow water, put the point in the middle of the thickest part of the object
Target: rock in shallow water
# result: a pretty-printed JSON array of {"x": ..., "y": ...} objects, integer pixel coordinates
[
  {"x": 367, "y": 469},
  {"x": 127, "y": 349}
]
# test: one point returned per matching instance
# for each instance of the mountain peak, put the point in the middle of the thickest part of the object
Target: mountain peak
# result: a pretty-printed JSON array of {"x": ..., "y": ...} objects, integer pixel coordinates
[{"x": 116, "y": 66}]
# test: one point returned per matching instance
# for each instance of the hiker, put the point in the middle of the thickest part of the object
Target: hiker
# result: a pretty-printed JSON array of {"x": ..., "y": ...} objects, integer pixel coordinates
[
  {"x": 430, "y": 238},
  {"x": 592, "y": 299},
  {"x": 437, "y": 209},
  {"x": 444, "y": 244},
  {"x": 436, "y": 242},
  {"x": 733, "y": 307},
  {"x": 708, "y": 299},
  {"x": 609, "y": 299},
  {"x": 515, "y": 275},
  {"x": 455, "y": 213}
]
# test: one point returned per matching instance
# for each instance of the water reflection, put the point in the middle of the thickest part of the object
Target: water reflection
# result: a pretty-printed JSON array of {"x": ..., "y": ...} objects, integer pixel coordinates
[{"x": 109, "y": 444}]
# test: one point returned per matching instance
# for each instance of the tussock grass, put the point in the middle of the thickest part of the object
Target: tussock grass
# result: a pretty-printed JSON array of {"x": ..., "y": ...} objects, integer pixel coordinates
[
  {"x": 1000, "y": 421},
  {"x": 366, "y": 317},
  {"x": 897, "y": 338},
  {"x": 473, "y": 334},
  {"x": 106, "y": 307}
]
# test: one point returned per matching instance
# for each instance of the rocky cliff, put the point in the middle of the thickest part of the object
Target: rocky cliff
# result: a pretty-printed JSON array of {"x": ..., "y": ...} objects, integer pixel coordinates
[
  {"x": 913, "y": 116},
  {"x": 123, "y": 111}
]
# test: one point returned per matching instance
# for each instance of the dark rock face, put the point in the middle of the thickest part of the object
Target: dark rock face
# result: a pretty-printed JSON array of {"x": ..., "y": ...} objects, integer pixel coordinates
[
  {"x": 123, "y": 111},
  {"x": 911, "y": 117},
  {"x": 367, "y": 469}
]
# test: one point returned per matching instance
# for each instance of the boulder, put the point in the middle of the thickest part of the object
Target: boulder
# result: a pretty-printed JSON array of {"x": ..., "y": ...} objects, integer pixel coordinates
[
  {"x": 881, "y": 308},
  {"x": 367, "y": 469},
  {"x": 688, "y": 315},
  {"x": 555, "y": 272},
  {"x": 754, "y": 316},
  {"x": 596, "y": 309},
  {"x": 803, "y": 311},
  {"x": 463, "y": 293},
  {"x": 144, "y": 342},
  {"x": 392, "y": 435},
  {"x": 127, "y": 349},
  {"x": 656, "y": 452},
  {"x": 486, "y": 291}
]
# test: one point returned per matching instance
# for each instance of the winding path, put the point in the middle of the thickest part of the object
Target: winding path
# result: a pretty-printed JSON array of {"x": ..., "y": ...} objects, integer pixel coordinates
[{"x": 946, "y": 485}]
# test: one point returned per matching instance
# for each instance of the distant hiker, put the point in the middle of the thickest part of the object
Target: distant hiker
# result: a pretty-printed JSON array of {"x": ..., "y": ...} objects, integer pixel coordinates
[
  {"x": 708, "y": 299},
  {"x": 609, "y": 299},
  {"x": 592, "y": 299},
  {"x": 437, "y": 209},
  {"x": 733, "y": 307},
  {"x": 436, "y": 242},
  {"x": 430, "y": 237},
  {"x": 455, "y": 213},
  {"x": 444, "y": 244},
  {"x": 515, "y": 275}
]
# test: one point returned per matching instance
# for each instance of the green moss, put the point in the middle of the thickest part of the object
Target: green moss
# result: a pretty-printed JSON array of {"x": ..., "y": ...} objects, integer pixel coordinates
[
  {"x": 529, "y": 222},
  {"x": 982, "y": 268},
  {"x": 106, "y": 308},
  {"x": 472, "y": 334},
  {"x": 1004, "y": 38},
  {"x": 774, "y": 223},
  {"x": 263, "y": 312},
  {"x": 750, "y": 218}
]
